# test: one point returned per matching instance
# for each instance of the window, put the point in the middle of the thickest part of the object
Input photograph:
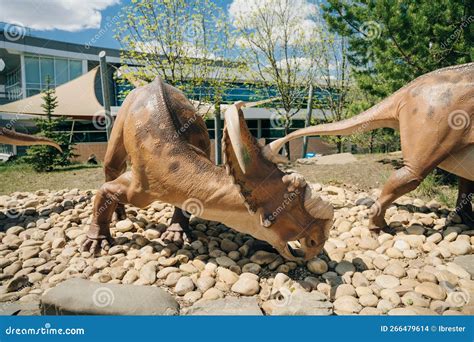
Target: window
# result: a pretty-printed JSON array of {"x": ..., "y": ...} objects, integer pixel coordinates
[
  {"x": 47, "y": 71},
  {"x": 32, "y": 72},
  {"x": 59, "y": 70},
  {"x": 62, "y": 71},
  {"x": 75, "y": 69}
]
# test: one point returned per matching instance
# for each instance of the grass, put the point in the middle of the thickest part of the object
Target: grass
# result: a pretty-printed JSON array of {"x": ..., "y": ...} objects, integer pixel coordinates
[
  {"x": 368, "y": 172},
  {"x": 431, "y": 188},
  {"x": 20, "y": 176}
]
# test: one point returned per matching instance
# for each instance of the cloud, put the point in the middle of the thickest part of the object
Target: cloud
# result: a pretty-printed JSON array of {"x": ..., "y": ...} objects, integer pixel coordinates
[
  {"x": 67, "y": 15},
  {"x": 301, "y": 15}
]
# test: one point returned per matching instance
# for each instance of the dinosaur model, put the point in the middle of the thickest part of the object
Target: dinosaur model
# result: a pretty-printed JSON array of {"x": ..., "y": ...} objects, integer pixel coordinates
[
  {"x": 434, "y": 115},
  {"x": 158, "y": 129},
  {"x": 14, "y": 138}
]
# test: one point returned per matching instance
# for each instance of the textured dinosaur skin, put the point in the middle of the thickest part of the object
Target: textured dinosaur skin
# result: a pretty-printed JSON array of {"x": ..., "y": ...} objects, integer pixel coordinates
[
  {"x": 14, "y": 138},
  {"x": 434, "y": 114},
  {"x": 169, "y": 147}
]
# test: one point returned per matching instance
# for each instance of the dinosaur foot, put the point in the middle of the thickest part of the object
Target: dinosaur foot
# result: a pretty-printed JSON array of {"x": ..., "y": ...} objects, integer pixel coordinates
[
  {"x": 97, "y": 240},
  {"x": 120, "y": 212},
  {"x": 177, "y": 235}
]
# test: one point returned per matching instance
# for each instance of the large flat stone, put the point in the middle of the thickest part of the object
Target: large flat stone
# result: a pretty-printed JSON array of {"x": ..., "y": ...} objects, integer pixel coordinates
[
  {"x": 83, "y": 297},
  {"x": 230, "y": 306},
  {"x": 19, "y": 309},
  {"x": 466, "y": 262},
  {"x": 299, "y": 303}
]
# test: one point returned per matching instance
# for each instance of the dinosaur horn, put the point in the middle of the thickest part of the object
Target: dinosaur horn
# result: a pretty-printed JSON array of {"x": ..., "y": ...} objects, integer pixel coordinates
[{"x": 233, "y": 128}]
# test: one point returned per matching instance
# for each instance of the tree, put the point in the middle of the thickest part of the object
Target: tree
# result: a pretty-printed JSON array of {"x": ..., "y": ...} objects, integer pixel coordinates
[
  {"x": 46, "y": 158},
  {"x": 186, "y": 42},
  {"x": 334, "y": 75},
  {"x": 277, "y": 38},
  {"x": 393, "y": 42}
]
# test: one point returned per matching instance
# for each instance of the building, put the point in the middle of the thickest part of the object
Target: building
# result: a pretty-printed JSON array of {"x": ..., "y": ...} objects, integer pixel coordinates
[{"x": 29, "y": 63}]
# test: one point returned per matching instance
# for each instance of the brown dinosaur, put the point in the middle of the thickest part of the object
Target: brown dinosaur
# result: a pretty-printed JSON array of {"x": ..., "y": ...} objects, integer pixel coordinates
[
  {"x": 434, "y": 115},
  {"x": 169, "y": 147},
  {"x": 10, "y": 137}
]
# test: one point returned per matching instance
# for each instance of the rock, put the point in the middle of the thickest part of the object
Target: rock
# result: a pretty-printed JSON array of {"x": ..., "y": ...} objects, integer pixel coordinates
[
  {"x": 387, "y": 281},
  {"x": 172, "y": 279},
  {"x": 345, "y": 290},
  {"x": 227, "y": 276},
  {"x": 29, "y": 252},
  {"x": 317, "y": 266},
  {"x": 17, "y": 283},
  {"x": 83, "y": 297},
  {"x": 116, "y": 250},
  {"x": 368, "y": 243},
  {"x": 395, "y": 269},
  {"x": 246, "y": 286},
  {"x": 415, "y": 299},
  {"x": 204, "y": 283},
  {"x": 344, "y": 267},
  {"x": 130, "y": 276},
  {"x": 124, "y": 226},
  {"x": 225, "y": 261},
  {"x": 230, "y": 306},
  {"x": 402, "y": 312},
  {"x": 228, "y": 245},
  {"x": 415, "y": 230},
  {"x": 366, "y": 201},
  {"x": 368, "y": 300},
  {"x": 431, "y": 290},
  {"x": 347, "y": 305},
  {"x": 252, "y": 268},
  {"x": 192, "y": 296},
  {"x": 358, "y": 279},
  {"x": 466, "y": 262},
  {"x": 212, "y": 294},
  {"x": 148, "y": 273},
  {"x": 299, "y": 303},
  {"x": 183, "y": 286},
  {"x": 263, "y": 257},
  {"x": 380, "y": 262},
  {"x": 344, "y": 226},
  {"x": 459, "y": 247},
  {"x": 401, "y": 245}
]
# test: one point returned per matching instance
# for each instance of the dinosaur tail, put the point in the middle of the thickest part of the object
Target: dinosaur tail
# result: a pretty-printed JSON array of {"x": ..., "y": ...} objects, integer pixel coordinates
[
  {"x": 14, "y": 138},
  {"x": 378, "y": 116}
]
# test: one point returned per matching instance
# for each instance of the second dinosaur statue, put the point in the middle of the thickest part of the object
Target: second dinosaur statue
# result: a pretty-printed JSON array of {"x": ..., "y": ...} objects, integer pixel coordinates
[{"x": 434, "y": 115}]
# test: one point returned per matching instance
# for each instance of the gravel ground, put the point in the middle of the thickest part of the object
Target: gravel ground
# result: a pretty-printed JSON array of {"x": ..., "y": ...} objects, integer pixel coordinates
[{"x": 425, "y": 268}]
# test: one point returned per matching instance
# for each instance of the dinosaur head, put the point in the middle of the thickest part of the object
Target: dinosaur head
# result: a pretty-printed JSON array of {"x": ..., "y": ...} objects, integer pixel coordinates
[{"x": 285, "y": 208}]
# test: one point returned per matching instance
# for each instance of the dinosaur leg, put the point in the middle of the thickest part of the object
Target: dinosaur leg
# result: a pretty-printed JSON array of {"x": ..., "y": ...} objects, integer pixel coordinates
[
  {"x": 179, "y": 231},
  {"x": 105, "y": 203},
  {"x": 400, "y": 182},
  {"x": 464, "y": 201},
  {"x": 113, "y": 168}
]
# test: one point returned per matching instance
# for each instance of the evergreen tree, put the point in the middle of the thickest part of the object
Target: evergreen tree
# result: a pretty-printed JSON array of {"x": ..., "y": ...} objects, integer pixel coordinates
[{"x": 43, "y": 157}]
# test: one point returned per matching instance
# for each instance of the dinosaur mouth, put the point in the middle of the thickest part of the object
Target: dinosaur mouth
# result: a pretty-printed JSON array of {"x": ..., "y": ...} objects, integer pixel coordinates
[{"x": 290, "y": 253}]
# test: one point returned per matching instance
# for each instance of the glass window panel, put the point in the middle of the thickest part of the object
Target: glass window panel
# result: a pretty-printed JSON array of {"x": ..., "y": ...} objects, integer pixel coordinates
[
  {"x": 75, "y": 69},
  {"x": 32, "y": 70},
  {"x": 62, "y": 71},
  {"x": 47, "y": 71}
]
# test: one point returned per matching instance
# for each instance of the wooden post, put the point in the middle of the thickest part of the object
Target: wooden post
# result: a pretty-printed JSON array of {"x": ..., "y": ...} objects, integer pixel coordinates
[
  {"x": 308, "y": 119},
  {"x": 217, "y": 131},
  {"x": 104, "y": 80}
]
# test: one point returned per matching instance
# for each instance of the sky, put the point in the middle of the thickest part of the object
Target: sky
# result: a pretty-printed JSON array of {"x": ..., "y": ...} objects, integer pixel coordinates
[{"x": 74, "y": 21}]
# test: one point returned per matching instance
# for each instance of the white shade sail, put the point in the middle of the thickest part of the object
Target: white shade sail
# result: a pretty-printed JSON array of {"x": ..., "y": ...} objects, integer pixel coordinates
[{"x": 76, "y": 99}]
